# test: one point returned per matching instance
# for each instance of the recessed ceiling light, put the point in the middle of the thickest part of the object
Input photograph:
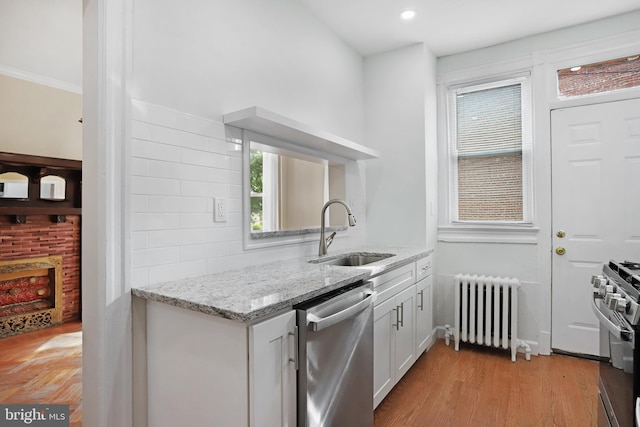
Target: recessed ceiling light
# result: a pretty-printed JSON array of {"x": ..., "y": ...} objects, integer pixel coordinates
[
  {"x": 408, "y": 14},
  {"x": 575, "y": 68}
]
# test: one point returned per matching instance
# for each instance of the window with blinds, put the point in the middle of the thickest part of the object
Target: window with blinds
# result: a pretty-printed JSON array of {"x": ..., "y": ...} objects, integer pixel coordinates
[{"x": 490, "y": 144}]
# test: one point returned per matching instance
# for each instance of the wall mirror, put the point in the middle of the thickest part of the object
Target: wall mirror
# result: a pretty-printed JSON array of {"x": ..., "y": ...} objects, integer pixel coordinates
[
  {"x": 52, "y": 187},
  {"x": 286, "y": 186},
  {"x": 14, "y": 185}
]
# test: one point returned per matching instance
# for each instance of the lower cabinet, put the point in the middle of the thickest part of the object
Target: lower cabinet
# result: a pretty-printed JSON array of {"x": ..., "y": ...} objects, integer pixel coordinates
[
  {"x": 403, "y": 325},
  {"x": 272, "y": 372},
  {"x": 203, "y": 370},
  {"x": 393, "y": 340},
  {"x": 424, "y": 320}
]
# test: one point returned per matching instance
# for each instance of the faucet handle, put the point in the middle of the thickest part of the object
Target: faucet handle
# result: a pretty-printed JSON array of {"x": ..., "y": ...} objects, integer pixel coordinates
[{"x": 329, "y": 239}]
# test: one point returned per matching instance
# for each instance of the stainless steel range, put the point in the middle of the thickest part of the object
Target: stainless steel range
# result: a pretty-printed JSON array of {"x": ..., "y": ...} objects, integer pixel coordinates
[{"x": 616, "y": 294}]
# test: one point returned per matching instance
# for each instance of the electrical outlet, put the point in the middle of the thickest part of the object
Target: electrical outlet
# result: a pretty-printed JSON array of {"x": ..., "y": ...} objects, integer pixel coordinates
[{"x": 219, "y": 209}]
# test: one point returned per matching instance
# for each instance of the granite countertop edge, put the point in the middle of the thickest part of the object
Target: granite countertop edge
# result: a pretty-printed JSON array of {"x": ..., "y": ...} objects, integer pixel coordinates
[{"x": 256, "y": 292}]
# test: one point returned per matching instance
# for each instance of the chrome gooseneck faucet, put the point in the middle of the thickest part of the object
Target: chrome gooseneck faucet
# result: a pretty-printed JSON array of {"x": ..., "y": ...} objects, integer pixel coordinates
[{"x": 324, "y": 243}]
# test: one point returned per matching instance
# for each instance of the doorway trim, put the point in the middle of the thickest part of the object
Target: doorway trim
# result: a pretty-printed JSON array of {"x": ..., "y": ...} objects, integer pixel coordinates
[{"x": 106, "y": 300}]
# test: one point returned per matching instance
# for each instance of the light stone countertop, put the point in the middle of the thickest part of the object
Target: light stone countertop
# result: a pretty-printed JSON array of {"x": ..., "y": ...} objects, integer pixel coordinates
[{"x": 252, "y": 293}]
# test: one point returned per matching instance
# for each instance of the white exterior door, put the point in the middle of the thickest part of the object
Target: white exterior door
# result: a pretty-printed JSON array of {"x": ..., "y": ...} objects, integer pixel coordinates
[{"x": 596, "y": 210}]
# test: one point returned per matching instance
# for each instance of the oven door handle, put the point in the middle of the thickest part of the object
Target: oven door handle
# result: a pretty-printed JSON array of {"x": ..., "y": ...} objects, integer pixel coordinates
[{"x": 617, "y": 331}]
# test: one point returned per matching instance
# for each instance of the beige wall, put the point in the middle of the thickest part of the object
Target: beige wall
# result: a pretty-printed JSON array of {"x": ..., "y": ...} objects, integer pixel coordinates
[
  {"x": 302, "y": 193},
  {"x": 39, "y": 120}
]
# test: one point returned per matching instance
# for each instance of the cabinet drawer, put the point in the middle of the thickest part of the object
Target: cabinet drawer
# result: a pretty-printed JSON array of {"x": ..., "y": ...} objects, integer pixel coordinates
[
  {"x": 423, "y": 268},
  {"x": 389, "y": 284}
]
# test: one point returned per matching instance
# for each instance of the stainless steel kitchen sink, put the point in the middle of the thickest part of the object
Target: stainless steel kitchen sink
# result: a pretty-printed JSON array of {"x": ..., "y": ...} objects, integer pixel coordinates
[{"x": 351, "y": 260}]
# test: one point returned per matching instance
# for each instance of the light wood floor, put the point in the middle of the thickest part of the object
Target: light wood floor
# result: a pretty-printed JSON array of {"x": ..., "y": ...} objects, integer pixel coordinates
[
  {"x": 482, "y": 387},
  {"x": 44, "y": 367},
  {"x": 476, "y": 386}
]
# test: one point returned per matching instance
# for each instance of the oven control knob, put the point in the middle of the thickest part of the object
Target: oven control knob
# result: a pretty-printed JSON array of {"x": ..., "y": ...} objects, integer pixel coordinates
[
  {"x": 621, "y": 304},
  {"x": 610, "y": 300},
  {"x": 605, "y": 289},
  {"x": 596, "y": 279}
]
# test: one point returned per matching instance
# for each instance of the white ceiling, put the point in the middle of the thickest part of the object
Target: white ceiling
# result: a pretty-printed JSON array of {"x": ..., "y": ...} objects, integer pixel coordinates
[{"x": 454, "y": 26}]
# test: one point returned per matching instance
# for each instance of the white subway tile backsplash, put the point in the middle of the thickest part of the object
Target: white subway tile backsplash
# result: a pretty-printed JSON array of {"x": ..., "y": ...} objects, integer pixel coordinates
[
  {"x": 140, "y": 276},
  {"x": 139, "y": 166},
  {"x": 154, "y": 256},
  {"x": 153, "y": 150},
  {"x": 204, "y": 189},
  {"x": 139, "y": 240},
  {"x": 162, "y": 238},
  {"x": 198, "y": 220},
  {"x": 154, "y": 221},
  {"x": 140, "y": 130},
  {"x": 177, "y": 137},
  {"x": 177, "y": 204},
  {"x": 139, "y": 203},
  {"x": 177, "y": 270},
  {"x": 224, "y": 234},
  {"x": 202, "y": 252},
  {"x": 203, "y": 126},
  {"x": 156, "y": 114},
  {"x": 179, "y": 163},
  {"x": 158, "y": 186}
]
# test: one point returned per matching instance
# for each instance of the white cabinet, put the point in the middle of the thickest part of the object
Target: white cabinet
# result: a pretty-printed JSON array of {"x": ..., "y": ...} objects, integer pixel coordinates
[
  {"x": 405, "y": 331},
  {"x": 393, "y": 329},
  {"x": 424, "y": 311},
  {"x": 272, "y": 372},
  {"x": 203, "y": 370},
  {"x": 402, "y": 328},
  {"x": 424, "y": 320}
]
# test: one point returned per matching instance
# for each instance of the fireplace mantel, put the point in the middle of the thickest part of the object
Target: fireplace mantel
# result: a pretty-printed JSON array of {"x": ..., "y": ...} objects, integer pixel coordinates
[{"x": 34, "y": 168}]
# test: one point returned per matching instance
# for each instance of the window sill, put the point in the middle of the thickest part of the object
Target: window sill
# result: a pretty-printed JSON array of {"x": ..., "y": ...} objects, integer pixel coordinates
[{"x": 524, "y": 235}]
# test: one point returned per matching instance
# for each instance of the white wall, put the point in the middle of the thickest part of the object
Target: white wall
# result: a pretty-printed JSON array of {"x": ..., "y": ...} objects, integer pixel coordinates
[
  {"x": 530, "y": 258},
  {"x": 41, "y": 41},
  {"x": 210, "y": 57},
  {"x": 400, "y": 124},
  {"x": 195, "y": 61}
]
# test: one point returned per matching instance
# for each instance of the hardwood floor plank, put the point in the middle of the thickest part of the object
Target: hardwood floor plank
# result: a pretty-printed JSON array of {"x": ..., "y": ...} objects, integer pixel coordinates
[
  {"x": 44, "y": 367},
  {"x": 481, "y": 387}
]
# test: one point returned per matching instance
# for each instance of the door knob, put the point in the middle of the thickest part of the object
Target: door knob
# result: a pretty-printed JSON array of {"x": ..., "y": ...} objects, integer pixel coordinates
[
  {"x": 561, "y": 234},
  {"x": 560, "y": 250}
]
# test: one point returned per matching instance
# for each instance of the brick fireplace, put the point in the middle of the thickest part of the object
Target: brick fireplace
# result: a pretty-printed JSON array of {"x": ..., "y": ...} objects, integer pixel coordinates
[
  {"x": 40, "y": 283},
  {"x": 41, "y": 242}
]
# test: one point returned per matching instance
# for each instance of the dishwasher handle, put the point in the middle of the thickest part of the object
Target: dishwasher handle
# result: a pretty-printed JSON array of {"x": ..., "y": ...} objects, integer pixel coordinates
[{"x": 319, "y": 323}]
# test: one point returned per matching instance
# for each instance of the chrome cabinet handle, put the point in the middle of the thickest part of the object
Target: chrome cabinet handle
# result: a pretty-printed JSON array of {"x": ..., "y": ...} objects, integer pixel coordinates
[
  {"x": 294, "y": 359},
  {"x": 401, "y": 321},
  {"x": 421, "y": 305},
  {"x": 397, "y": 324}
]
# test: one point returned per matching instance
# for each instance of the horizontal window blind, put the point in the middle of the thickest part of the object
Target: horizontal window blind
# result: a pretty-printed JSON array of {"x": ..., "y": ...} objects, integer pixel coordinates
[{"x": 490, "y": 144}]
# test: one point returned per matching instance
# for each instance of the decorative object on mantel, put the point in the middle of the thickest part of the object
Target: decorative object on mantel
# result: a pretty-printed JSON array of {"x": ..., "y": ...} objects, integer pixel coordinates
[
  {"x": 34, "y": 202},
  {"x": 260, "y": 120}
]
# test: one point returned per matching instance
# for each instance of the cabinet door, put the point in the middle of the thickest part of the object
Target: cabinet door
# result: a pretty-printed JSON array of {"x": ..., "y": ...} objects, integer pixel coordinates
[
  {"x": 424, "y": 322},
  {"x": 406, "y": 333},
  {"x": 272, "y": 372},
  {"x": 384, "y": 360}
]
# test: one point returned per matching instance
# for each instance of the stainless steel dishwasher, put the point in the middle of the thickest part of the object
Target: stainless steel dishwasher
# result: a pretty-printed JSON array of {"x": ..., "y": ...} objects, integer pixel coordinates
[{"x": 335, "y": 376}]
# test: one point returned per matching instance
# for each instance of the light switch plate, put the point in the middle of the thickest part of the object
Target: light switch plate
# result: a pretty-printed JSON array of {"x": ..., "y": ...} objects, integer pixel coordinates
[{"x": 219, "y": 209}]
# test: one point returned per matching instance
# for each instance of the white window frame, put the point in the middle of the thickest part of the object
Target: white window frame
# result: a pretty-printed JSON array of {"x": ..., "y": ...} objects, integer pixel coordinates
[{"x": 452, "y": 229}]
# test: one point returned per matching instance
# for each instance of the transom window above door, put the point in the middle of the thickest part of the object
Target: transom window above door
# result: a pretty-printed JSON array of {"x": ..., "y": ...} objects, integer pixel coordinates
[{"x": 600, "y": 77}]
